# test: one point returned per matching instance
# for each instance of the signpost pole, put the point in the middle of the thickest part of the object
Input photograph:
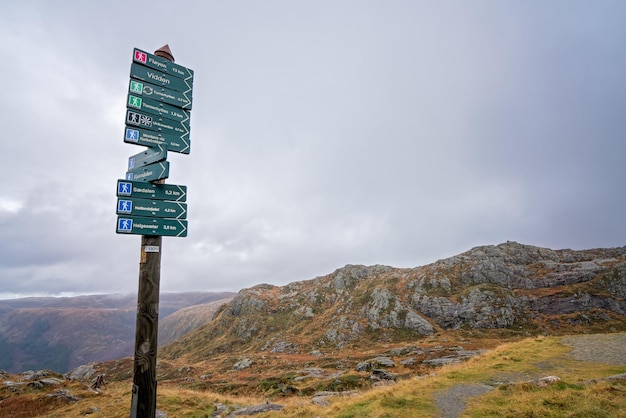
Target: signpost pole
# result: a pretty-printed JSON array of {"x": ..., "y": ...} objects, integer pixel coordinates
[
  {"x": 143, "y": 403},
  {"x": 144, "y": 365}
]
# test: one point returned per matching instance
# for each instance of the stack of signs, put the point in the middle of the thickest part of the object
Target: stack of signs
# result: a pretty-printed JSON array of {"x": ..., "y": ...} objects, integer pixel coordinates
[{"x": 157, "y": 116}]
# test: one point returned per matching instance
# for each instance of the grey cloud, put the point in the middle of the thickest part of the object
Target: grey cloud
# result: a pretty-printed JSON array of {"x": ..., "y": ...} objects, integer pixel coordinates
[{"x": 323, "y": 134}]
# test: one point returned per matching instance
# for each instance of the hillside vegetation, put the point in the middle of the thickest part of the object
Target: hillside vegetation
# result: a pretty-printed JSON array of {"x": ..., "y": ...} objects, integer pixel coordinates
[
  {"x": 481, "y": 332},
  {"x": 521, "y": 288},
  {"x": 511, "y": 372}
]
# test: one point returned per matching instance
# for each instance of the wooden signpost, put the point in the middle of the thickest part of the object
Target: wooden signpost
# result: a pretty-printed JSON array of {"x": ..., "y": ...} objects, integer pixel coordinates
[{"x": 164, "y": 127}]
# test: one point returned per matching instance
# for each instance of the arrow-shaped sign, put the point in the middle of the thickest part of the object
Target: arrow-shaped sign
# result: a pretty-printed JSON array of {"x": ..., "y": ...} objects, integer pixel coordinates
[
  {"x": 161, "y": 64},
  {"x": 157, "y": 108},
  {"x": 143, "y": 190},
  {"x": 173, "y": 97},
  {"x": 151, "y": 172},
  {"x": 175, "y": 143},
  {"x": 139, "y": 72},
  {"x": 151, "y": 208},
  {"x": 156, "y": 123},
  {"x": 151, "y": 155},
  {"x": 151, "y": 226}
]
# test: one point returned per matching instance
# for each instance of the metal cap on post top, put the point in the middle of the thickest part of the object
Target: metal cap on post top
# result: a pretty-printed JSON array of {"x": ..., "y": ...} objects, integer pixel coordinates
[{"x": 165, "y": 52}]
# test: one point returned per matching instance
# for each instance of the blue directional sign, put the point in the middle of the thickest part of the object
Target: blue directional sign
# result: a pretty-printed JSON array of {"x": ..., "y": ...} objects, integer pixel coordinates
[
  {"x": 143, "y": 190},
  {"x": 175, "y": 143},
  {"x": 151, "y": 172},
  {"x": 151, "y": 226},
  {"x": 151, "y": 155}
]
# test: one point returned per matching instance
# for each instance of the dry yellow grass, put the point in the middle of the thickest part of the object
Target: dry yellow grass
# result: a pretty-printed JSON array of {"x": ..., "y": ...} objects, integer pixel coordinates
[
  {"x": 510, "y": 362},
  {"x": 514, "y": 362}
]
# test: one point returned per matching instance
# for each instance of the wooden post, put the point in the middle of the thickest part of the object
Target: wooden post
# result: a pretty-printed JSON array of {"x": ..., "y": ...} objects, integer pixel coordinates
[
  {"x": 144, "y": 365},
  {"x": 143, "y": 404}
]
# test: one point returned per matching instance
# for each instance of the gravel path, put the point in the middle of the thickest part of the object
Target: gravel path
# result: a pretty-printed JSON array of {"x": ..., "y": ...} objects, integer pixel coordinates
[
  {"x": 451, "y": 403},
  {"x": 598, "y": 348}
]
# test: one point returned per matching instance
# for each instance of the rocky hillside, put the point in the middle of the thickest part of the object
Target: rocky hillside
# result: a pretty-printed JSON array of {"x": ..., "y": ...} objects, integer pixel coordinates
[
  {"x": 522, "y": 288},
  {"x": 61, "y": 333}
]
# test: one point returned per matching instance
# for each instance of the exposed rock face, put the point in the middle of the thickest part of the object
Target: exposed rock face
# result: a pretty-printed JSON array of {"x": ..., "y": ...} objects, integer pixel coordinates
[
  {"x": 508, "y": 285},
  {"x": 495, "y": 285}
]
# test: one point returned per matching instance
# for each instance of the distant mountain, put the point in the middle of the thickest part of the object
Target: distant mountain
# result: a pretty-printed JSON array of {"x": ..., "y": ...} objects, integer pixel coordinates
[
  {"x": 62, "y": 333},
  {"x": 187, "y": 319},
  {"x": 522, "y": 288}
]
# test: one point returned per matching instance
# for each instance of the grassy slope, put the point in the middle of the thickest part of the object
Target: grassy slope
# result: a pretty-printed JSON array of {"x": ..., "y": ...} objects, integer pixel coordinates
[
  {"x": 531, "y": 358},
  {"x": 510, "y": 362}
]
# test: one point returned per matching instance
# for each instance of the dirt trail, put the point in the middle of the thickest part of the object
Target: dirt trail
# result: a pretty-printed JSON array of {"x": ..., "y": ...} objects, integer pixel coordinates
[{"x": 597, "y": 348}]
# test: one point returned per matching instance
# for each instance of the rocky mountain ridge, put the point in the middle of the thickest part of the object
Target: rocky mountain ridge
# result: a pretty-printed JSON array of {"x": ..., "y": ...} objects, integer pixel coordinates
[{"x": 512, "y": 286}]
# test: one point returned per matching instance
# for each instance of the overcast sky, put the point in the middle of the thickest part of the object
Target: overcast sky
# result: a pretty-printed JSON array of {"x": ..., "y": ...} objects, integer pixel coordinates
[{"x": 323, "y": 133}]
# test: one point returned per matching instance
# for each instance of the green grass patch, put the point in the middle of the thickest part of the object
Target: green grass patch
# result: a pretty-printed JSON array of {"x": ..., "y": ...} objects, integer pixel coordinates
[{"x": 356, "y": 410}]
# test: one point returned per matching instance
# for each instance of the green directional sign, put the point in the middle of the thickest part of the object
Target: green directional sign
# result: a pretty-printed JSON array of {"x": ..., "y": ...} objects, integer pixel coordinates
[
  {"x": 161, "y": 94},
  {"x": 139, "y": 72},
  {"x": 151, "y": 155},
  {"x": 144, "y": 190},
  {"x": 151, "y": 226},
  {"x": 161, "y": 64},
  {"x": 175, "y": 143},
  {"x": 156, "y": 123},
  {"x": 151, "y": 208},
  {"x": 157, "y": 108},
  {"x": 158, "y": 117},
  {"x": 150, "y": 172}
]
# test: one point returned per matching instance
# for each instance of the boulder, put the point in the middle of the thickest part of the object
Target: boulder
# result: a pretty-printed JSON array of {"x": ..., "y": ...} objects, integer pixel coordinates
[
  {"x": 373, "y": 363},
  {"x": 242, "y": 364},
  {"x": 381, "y": 375},
  {"x": 82, "y": 373},
  {"x": 64, "y": 395}
]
